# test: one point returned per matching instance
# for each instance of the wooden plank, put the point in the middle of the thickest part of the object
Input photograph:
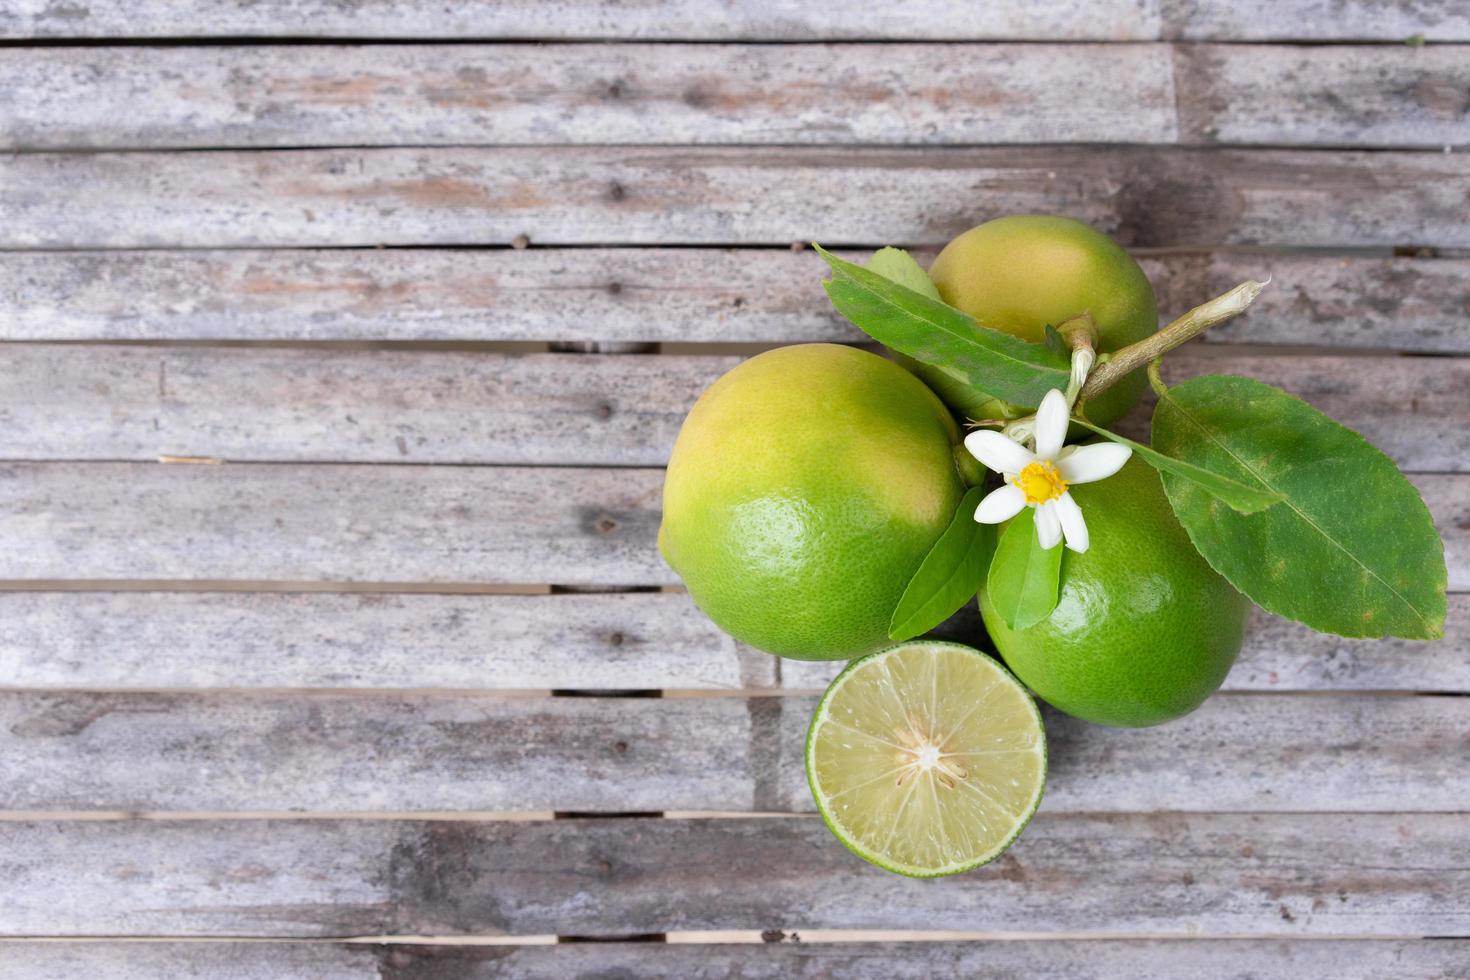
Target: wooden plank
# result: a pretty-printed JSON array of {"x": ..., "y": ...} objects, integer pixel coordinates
[
  {"x": 648, "y": 640},
  {"x": 1357, "y": 96},
  {"x": 310, "y": 405},
  {"x": 1051, "y": 959},
  {"x": 235, "y": 961},
  {"x": 304, "y": 523},
  {"x": 632, "y": 295},
  {"x": 1108, "y": 875},
  {"x": 1320, "y": 300},
  {"x": 777, "y": 20},
  {"x": 1147, "y": 196},
  {"x": 333, "y": 523},
  {"x": 349, "y": 406},
  {"x": 620, "y": 641},
  {"x": 336, "y": 752},
  {"x": 347, "y": 753},
  {"x": 421, "y": 95}
]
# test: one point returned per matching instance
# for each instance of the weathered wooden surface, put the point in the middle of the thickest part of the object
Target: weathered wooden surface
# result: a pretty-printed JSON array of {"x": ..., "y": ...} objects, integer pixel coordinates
[
  {"x": 1390, "y": 875},
  {"x": 1147, "y": 196},
  {"x": 1326, "y": 301},
  {"x": 338, "y": 752},
  {"x": 298, "y": 523},
  {"x": 309, "y": 405},
  {"x": 170, "y": 192},
  {"x": 782, "y": 20},
  {"x": 627, "y": 641},
  {"x": 1107, "y": 959},
  {"x": 362, "y": 406},
  {"x": 645, "y": 640},
  {"x": 420, "y": 95},
  {"x": 690, "y": 295},
  {"x": 333, "y": 523}
]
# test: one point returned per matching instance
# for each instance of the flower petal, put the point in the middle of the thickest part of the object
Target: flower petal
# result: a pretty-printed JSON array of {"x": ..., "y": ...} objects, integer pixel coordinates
[
  {"x": 1000, "y": 453},
  {"x": 1052, "y": 419},
  {"x": 1000, "y": 505},
  {"x": 1087, "y": 464},
  {"x": 1048, "y": 526},
  {"x": 1074, "y": 528}
]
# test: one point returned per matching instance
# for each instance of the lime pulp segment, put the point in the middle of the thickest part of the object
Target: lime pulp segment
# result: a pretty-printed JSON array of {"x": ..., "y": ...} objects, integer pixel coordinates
[{"x": 926, "y": 758}]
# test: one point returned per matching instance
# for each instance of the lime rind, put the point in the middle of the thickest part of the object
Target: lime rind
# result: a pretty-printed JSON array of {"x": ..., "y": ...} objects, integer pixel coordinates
[{"x": 822, "y": 714}]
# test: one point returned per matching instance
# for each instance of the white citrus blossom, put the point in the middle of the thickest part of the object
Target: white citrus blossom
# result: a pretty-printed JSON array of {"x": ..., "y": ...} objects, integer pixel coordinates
[{"x": 1040, "y": 479}]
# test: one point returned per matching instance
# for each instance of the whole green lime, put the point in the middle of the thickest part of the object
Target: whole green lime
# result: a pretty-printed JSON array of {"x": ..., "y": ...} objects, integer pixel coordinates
[
  {"x": 804, "y": 491},
  {"x": 1144, "y": 629},
  {"x": 1023, "y": 273}
]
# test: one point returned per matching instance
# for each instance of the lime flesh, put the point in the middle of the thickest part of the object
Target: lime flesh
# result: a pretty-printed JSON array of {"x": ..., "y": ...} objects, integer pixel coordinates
[{"x": 926, "y": 759}]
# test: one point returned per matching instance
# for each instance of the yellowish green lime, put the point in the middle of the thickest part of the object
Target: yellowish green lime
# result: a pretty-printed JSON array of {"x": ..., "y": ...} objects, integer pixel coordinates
[
  {"x": 803, "y": 492},
  {"x": 926, "y": 759},
  {"x": 1023, "y": 273}
]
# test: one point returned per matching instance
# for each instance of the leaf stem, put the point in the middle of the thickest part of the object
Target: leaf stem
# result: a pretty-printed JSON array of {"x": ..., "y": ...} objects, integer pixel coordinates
[{"x": 1187, "y": 327}]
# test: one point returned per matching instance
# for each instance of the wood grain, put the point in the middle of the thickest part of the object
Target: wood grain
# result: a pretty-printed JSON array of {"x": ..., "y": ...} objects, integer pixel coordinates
[
  {"x": 304, "y": 523},
  {"x": 1390, "y": 875},
  {"x": 309, "y": 405},
  {"x": 1053, "y": 959},
  {"x": 724, "y": 196},
  {"x": 341, "y": 406},
  {"x": 634, "y": 294},
  {"x": 647, "y": 640},
  {"x": 336, "y": 752},
  {"x": 349, "y": 523},
  {"x": 780, "y": 20},
  {"x": 422, "y": 95},
  {"x": 628, "y": 641}
]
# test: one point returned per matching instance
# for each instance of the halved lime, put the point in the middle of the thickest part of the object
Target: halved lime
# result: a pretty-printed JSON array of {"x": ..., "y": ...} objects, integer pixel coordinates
[{"x": 926, "y": 758}]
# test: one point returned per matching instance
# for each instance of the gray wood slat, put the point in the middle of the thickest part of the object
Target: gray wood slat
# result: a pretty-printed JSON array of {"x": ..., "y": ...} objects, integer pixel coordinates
[
  {"x": 87, "y": 98},
  {"x": 781, "y": 20},
  {"x": 1148, "y": 196},
  {"x": 620, "y": 641},
  {"x": 151, "y": 640},
  {"x": 306, "y": 523},
  {"x": 309, "y": 405},
  {"x": 630, "y": 295},
  {"x": 1052, "y": 959},
  {"x": 1282, "y": 875},
  {"x": 338, "y": 752},
  {"x": 326, "y": 523}
]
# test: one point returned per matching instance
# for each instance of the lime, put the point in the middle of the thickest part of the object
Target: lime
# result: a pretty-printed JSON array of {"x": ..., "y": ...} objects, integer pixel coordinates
[
  {"x": 1023, "y": 273},
  {"x": 803, "y": 492},
  {"x": 1144, "y": 630},
  {"x": 926, "y": 758}
]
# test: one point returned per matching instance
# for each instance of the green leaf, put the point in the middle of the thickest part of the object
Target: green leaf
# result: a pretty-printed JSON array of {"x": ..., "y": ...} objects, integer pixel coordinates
[
  {"x": 896, "y": 265},
  {"x": 1240, "y": 496},
  {"x": 951, "y": 574},
  {"x": 927, "y": 330},
  {"x": 1024, "y": 580},
  {"x": 1351, "y": 549}
]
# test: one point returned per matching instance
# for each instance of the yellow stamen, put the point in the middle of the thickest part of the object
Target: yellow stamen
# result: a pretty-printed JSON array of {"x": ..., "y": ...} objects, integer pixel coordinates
[{"x": 1040, "y": 481}]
